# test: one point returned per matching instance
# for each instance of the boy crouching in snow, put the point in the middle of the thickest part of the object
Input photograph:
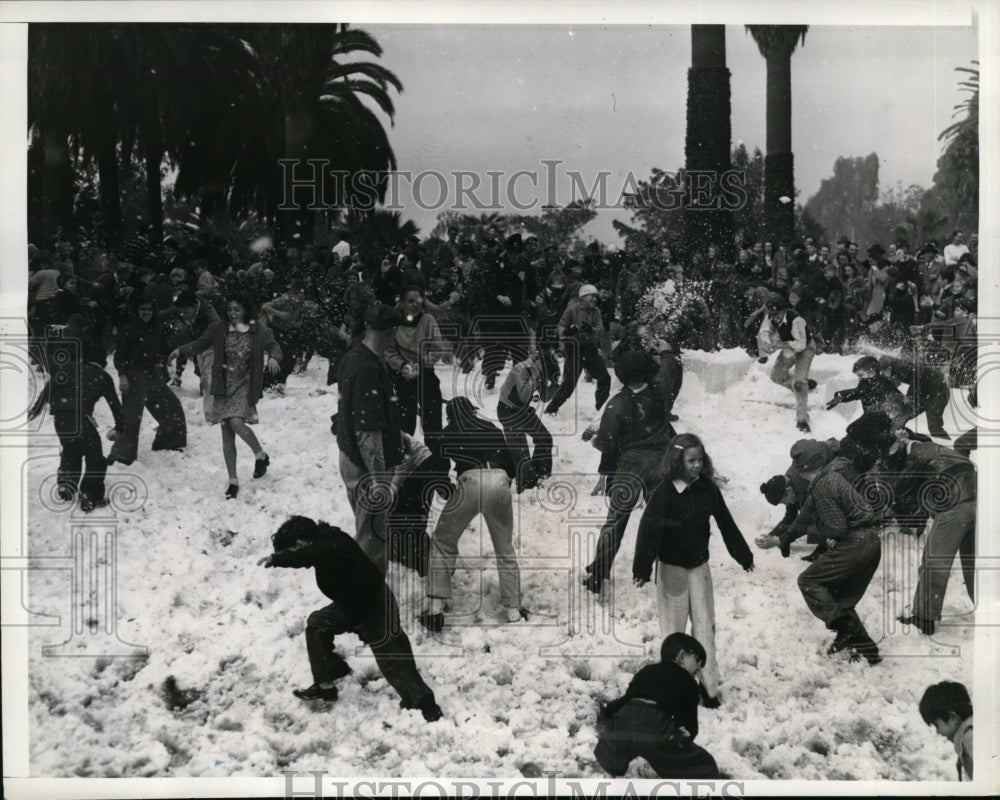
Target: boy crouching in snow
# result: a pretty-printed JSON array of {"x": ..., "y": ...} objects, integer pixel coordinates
[
  {"x": 657, "y": 717},
  {"x": 362, "y": 604}
]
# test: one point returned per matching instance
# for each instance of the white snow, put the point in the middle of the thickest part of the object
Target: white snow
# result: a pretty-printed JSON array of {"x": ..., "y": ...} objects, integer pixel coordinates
[{"x": 518, "y": 699}]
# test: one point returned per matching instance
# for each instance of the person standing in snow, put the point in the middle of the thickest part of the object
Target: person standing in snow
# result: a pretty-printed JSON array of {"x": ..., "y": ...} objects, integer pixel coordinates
[
  {"x": 368, "y": 433},
  {"x": 633, "y": 434},
  {"x": 142, "y": 377},
  {"x": 485, "y": 470},
  {"x": 837, "y": 514},
  {"x": 784, "y": 330},
  {"x": 872, "y": 389},
  {"x": 362, "y": 603},
  {"x": 519, "y": 420},
  {"x": 674, "y": 531},
  {"x": 657, "y": 717},
  {"x": 927, "y": 390},
  {"x": 239, "y": 346},
  {"x": 583, "y": 336}
]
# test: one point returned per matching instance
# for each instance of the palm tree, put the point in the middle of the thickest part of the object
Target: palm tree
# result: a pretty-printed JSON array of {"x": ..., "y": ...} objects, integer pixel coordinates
[
  {"x": 312, "y": 108},
  {"x": 706, "y": 146},
  {"x": 958, "y": 167},
  {"x": 377, "y": 231},
  {"x": 776, "y": 44}
]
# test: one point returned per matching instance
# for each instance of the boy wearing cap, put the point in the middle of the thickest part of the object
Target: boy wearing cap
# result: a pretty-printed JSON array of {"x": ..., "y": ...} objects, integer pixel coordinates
[
  {"x": 872, "y": 389},
  {"x": 485, "y": 469},
  {"x": 784, "y": 330},
  {"x": 836, "y": 513},
  {"x": 632, "y": 436},
  {"x": 582, "y": 329},
  {"x": 368, "y": 433}
]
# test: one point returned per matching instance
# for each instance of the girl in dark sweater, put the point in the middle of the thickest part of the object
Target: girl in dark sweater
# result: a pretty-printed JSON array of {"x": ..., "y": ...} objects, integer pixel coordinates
[{"x": 674, "y": 531}]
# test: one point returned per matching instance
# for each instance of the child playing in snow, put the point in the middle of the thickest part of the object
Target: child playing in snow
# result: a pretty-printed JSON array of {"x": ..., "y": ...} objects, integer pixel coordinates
[
  {"x": 872, "y": 389},
  {"x": 657, "y": 717},
  {"x": 948, "y": 708},
  {"x": 674, "y": 530}
]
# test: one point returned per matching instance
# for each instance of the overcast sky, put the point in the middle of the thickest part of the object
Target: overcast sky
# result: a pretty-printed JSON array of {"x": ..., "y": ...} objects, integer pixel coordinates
[{"x": 505, "y": 98}]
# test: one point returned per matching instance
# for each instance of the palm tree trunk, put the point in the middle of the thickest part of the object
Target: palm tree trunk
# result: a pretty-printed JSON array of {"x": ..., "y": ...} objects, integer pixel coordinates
[
  {"x": 153, "y": 154},
  {"x": 56, "y": 183},
  {"x": 107, "y": 162},
  {"x": 779, "y": 168},
  {"x": 706, "y": 146}
]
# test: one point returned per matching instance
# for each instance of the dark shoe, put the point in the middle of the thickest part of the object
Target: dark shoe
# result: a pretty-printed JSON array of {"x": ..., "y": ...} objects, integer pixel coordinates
[
  {"x": 65, "y": 493},
  {"x": 804, "y": 427},
  {"x": 88, "y": 504},
  {"x": 940, "y": 435},
  {"x": 517, "y": 614},
  {"x": 925, "y": 626},
  {"x": 811, "y": 384},
  {"x": 847, "y": 632},
  {"x": 592, "y": 583},
  {"x": 232, "y": 491},
  {"x": 815, "y": 553},
  {"x": 261, "y": 465},
  {"x": 316, "y": 692},
  {"x": 430, "y": 709},
  {"x": 432, "y": 622},
  {"x": 864, "y": 647}
]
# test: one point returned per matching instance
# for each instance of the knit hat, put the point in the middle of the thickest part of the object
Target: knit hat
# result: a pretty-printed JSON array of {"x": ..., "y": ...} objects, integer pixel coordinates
[
  {"x": 587, "y": 288},
  {"x": 774, "y": 489},
  {"x": 808, "y": 455},
  {"x": 381, "y": 317},
  {"x": 632, "y": 367}
]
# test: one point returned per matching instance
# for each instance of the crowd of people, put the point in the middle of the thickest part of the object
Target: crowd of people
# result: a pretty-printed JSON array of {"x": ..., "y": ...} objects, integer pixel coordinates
[{"x": 384, "y": 320}]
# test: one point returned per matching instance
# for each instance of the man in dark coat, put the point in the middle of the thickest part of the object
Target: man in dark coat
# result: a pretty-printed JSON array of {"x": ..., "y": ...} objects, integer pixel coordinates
[
  {"x": 362, "y": 604},
  {"x": 369, "y": 435},
  {"x": 927, "y": 390}
]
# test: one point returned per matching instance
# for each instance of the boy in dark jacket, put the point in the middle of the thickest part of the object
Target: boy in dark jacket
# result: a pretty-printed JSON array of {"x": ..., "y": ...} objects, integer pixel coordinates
[
  {"x": 73, "y": 390},
  {"x": 657, "y": 717},
  {"x": 520, "y": 420},
  {"x": 362, "y": 604},
  {"x": 632, "y": 436},
  {"x": 872, "y": 388}
]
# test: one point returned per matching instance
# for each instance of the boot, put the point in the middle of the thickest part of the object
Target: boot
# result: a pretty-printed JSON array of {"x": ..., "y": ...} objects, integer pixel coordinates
[
  {"x": 316, "y": 692},
  {"x": 804, "y": 427},
  {"x": 847, "y": 630},
  {"x": 865, "y": 647},
  {"x": 925, "y": 626}
]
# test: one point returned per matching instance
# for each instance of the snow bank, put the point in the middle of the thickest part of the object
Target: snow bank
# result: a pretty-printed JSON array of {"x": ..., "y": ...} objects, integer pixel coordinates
[{"x": 225, "y": 643}]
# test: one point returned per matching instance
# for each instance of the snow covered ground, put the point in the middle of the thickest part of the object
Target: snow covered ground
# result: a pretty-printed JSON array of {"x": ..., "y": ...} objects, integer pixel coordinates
[{"x": 518, "y": 699}]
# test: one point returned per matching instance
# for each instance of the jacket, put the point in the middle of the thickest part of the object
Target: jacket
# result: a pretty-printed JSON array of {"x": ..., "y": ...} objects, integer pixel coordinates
[
  {"x": 418, "y": 343},
  {"x": 477, "y": 444},
  {"x": 76, "y": 386},
  {"x": 791, "y": 335},
  {"x": 674, "y": 528},
  {"x": 633, "y": 420},
  {"x": 583, "y": 324},
  {"x": 343, "y": 572},
  {"x": 140, "y": 346},
  {"x": 524, "y": 379},
  {"x": 367, "y": 403},
  {"x": 179, "y": 332},
  {"x": 936, "y": 477},
  {"x": 870, "y": 391},
  {"x": 832, "y": 510},
  {"x": 262, "y": 341},
  {"x": 668, "y": 685}
]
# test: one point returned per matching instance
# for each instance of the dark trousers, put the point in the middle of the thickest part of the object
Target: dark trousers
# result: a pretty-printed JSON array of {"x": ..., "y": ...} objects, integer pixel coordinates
[
  {"x": 578, "y": 358},
  {"x": 636, "y": 475},
  {"x": 952, "y": 532},
  {"x": 147, "y": 389},
  {"x": 291, "y": 346},
  {"x": 518, "y": 424},
  {"x": 934, "y": 400},
  {"x": 81, "y": 444},
  {"x": 671, "y": 376},
  {"x": 646, "y": 731},
  {"x": 421, "y": 395},
  {"x": 408, "y": 542},
  {"x": 381, "y": 629},
  {"x": 837, "y": 580}
]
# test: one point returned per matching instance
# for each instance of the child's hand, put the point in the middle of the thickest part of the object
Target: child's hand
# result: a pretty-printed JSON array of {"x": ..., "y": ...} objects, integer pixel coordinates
[{"x": 265, "y": 561}]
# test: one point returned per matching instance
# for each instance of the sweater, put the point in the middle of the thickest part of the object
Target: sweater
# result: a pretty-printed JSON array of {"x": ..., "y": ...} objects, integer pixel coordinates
[
  {"x": 668, "y": 685},
  {"x": 141, "y": 346},
  {"x": 524, "y": 379},
  {"x": 477, "y": 444},
  {"x": 674, "y": 528},
  {"x": 633, "y": 420},
  {"x": 417, "y": 343},
  {"x": 870, "y": 391},
  {"x": 367, "y": 402},
  {"x": 832, "y": 509}
]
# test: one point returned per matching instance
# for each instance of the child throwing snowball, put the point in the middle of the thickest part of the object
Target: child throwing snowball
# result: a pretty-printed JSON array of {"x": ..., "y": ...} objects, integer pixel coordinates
[{"x": 674, "y": 531}]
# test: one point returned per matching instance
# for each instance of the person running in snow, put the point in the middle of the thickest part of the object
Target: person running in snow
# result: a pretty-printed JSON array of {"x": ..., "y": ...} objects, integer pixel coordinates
[
  {"x": 784, "y": 330},
  {"x": 485, "y": 470},
  {"x": 836, "y": 513},
  {"x": 583, "y": 336},
  {"x": 872, "y": 389},
  {"x": 632, "y": 436},
  {"x": 239, "y": 345},
  {"x": 142, "y": 377},
  {"x": 948, "y": 707},
  {"x": 926, "y": 390},
  {"x": 657, "y": 717},
  {"x": 674, "y": 531},
  {"x": 519, "y": 420},
  {"x": 362, "y": 603}
]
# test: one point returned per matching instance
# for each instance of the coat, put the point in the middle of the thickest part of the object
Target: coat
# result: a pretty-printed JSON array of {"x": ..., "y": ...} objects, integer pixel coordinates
[{"x": 215, "y": 337}]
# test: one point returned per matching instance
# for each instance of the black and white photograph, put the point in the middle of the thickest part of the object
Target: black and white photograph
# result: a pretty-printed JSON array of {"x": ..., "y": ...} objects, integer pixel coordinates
[{"x": 499, "y": 400}]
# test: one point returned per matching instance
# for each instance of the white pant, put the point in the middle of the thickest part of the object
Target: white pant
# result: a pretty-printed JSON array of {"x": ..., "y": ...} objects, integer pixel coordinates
[{"x": 687, "y": 593}]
